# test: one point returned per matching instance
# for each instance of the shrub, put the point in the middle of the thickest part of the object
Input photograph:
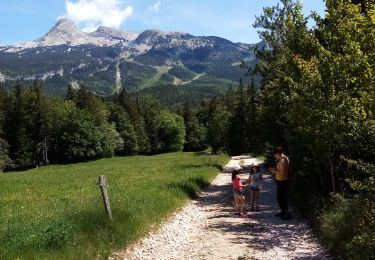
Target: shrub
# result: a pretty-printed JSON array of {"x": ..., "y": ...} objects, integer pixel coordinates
[{"x": 348, "y": 226}]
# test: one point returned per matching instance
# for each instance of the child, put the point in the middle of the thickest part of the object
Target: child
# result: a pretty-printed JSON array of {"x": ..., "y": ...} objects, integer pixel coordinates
[
  {"x": 239, "y": 198},
  {"x": 255, "y": 180}
]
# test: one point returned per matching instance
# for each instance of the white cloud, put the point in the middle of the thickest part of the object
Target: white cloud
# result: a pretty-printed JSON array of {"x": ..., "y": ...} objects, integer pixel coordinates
[
  {"x": 90, "y": 14},
  {"x": 155, "y": 7}
]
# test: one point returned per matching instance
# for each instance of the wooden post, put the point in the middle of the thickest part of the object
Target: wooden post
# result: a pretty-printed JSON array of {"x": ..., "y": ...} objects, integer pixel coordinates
[
  {"x": 46, "y": 162},
  {"x": 103, "y": 190}
]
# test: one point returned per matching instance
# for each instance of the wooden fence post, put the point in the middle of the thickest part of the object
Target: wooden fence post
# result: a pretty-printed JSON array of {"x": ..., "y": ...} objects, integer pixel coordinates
[{"x": 103, "y": 190}]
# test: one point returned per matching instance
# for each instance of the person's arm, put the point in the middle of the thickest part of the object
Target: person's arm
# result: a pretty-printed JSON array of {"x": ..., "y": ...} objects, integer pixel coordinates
[
  {"x": 241, "y": 184},
  {"x": 271, "y": 171}
]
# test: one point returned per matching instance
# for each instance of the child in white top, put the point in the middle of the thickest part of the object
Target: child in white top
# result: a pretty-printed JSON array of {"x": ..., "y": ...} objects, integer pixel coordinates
[{"x": 255, "y": 180}]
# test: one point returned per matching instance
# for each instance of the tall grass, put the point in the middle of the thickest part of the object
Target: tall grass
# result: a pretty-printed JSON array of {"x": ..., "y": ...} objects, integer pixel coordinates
[{"x": 56, "y": 212}]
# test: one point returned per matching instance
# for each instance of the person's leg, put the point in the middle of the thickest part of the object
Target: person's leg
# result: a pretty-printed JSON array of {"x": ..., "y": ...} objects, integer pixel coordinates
[
  {"x": 279, "y": 194},
  {"x": 243, "y": 203},
  {"x": 252, "y": 200},
  {"x": 256, "y": 199},
  {"x": 235, "y": 202},
  {"x": 286, "y": 214},
  {"x": 283, "y": 193}
]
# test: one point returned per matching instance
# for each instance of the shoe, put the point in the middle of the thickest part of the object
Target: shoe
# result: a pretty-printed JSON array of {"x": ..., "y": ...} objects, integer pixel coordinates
[
  {"x": 252, "y": 209},
  {"x": 286, "y": 216},
  {"x": 279, "y": 214}
]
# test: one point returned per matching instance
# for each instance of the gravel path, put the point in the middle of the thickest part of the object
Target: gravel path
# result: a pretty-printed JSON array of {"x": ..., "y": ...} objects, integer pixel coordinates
[{"x": 207, "y": 228}]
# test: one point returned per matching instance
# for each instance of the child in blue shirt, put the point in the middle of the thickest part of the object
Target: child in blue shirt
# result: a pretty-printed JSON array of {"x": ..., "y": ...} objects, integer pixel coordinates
[{"x": 255, "y": 183}]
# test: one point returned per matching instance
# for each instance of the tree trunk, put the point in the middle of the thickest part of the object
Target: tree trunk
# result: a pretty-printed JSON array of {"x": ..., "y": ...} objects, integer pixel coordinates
[
  {"x": 322, "y": 181},
  {"x": 332, "y": 170}
]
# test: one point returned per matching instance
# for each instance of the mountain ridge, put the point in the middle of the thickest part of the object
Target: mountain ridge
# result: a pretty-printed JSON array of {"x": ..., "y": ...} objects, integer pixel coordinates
[
  {"x": 64, "y": 30},
  {"x": 108, "y": 59}
]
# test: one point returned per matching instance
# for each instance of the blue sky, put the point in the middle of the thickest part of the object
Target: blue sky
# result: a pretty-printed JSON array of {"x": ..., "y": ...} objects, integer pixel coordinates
[{"x": 25, "y": 20}]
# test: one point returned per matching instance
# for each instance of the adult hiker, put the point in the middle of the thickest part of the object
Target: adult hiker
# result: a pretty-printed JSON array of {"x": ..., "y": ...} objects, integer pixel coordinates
[{"x": 281, "y": 176}]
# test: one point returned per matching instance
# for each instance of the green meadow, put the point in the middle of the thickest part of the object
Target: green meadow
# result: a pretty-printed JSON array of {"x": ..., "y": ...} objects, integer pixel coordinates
[{"x": 56, "y": 212}]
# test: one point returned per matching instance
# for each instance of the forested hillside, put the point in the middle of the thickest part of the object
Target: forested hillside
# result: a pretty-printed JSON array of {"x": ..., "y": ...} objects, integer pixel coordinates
[{"x": 317, "y": 100}]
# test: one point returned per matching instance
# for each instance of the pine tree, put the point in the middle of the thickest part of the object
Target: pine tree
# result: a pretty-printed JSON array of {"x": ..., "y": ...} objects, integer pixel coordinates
[
  {"x": 252, "y": 128},
  {"x": 22, "y": 149},
  {"x": 239, "y": 123},
  {"x": 5, "y": 161},
  {"x": 131, "y": 108},
  {"x": 71, "y": 93},
  {"x": 195, "y": 132}
]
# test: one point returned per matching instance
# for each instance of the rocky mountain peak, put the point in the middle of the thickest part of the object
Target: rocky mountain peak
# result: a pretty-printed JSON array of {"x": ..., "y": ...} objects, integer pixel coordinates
[
  {"x": 63, "y": 32},
  {"x": 64, "y": 24},
  {"x": 107, "y": 32}
]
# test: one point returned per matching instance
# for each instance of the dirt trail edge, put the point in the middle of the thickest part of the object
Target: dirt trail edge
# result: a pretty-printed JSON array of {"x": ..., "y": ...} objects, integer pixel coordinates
[{"x": 206, "y": 228}]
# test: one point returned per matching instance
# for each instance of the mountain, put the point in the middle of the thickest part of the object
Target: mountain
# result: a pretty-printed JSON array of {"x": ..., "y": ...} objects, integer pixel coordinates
[{"x": 107, "y": 59}]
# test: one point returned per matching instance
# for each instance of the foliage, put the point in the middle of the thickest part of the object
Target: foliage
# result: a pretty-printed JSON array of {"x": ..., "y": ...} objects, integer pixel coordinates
[
  {"x": 5, "y": 161},
  {"x": 317, "y": 99},
  {"x": 170, "y": 131},
  {"x": 356, "y": 242},
  {"x": 81, "y": 138},
  {"x": 195, "y": 139},
  {"x": 217, "y": 127},
  {"x": 124, "y": 127}
]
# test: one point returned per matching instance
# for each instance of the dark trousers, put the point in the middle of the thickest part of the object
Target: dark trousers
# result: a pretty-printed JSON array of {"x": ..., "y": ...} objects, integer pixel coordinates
[{"x": 282, "y": 195}]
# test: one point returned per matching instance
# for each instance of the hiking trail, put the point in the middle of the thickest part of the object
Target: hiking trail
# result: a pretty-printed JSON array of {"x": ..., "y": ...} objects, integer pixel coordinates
[{"x": 206, "y": 228}]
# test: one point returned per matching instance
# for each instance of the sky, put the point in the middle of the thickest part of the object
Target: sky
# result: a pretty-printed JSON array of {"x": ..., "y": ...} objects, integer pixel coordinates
[{"x": 26, "y": 20}]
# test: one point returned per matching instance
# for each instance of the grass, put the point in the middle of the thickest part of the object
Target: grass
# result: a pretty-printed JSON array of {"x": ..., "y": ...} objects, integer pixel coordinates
[
  {"x": 56, "y": 212},
  {"x": 155, "y": 78}
]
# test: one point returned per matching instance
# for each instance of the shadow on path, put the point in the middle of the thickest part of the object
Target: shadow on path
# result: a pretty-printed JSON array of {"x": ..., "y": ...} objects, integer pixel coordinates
[{"x": 265, "y": 235}]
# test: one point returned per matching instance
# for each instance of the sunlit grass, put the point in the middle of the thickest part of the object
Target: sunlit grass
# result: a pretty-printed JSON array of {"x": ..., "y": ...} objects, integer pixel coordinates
[{"x": 56, "y": 212}]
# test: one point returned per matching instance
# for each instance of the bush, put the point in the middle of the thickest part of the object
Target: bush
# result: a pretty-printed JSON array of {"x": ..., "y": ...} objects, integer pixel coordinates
[
  {"x": 81, "y": 138},
  {"x": 347, "y": 228},
  {"x": 171, "y": 132}
]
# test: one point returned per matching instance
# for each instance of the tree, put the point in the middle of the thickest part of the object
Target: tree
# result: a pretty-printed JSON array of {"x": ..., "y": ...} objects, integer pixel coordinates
[
  {"x": 318, "y": 93},
  {"x": 85, "y": 99},
  {"x": 317, "y": 82},
  {"x": 81, "y": 138},
  {"x": 339, "y": 74},
  {"x": 71, "y": 93},
  {"x": 121, "y": 120},
  {"x": 131, "y": 108},
  {"x": 252, "y": 112},
  {"x": 237, "y": 133},
  {"x": 27, "y": 124},
  {"x": 5, "y": 161},
  {"x": 149, "y": 109},
  {"x": 171, "y": 132},
  {"x": 195, "y": 132},
  {"x": 217, "y": 127}
]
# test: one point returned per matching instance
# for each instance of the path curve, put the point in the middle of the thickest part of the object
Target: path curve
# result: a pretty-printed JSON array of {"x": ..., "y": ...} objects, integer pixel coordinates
[{"x": 206, "y": 228}]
